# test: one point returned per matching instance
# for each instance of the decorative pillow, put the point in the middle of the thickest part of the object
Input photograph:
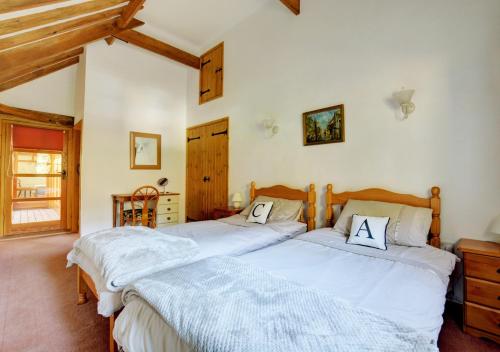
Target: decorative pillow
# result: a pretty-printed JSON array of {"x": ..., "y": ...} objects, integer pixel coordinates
[
  {"x": 369, "y": 231},
  {"x": 260, "y": 212},
  {"x": 369, "y": 208},
  {"x": 413, "y": 226},
  {"x": 283, "y": 209}
]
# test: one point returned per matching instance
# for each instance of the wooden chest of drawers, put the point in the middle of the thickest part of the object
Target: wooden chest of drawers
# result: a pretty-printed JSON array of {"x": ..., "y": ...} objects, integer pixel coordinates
[
  {"x": 167, "y": 212},
  {"x": 481, "y": 288}
]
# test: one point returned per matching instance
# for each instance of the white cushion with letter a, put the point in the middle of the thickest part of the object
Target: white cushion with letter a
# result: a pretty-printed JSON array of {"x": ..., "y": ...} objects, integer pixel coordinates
[
  {"x": 260, "y": 212},
  {"x": 369, "y": 231}
]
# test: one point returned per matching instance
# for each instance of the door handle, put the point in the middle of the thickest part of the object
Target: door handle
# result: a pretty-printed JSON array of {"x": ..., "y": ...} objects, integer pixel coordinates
[
  {"x": 64, "y": 173},
  {"x": 206, "y": 178}
]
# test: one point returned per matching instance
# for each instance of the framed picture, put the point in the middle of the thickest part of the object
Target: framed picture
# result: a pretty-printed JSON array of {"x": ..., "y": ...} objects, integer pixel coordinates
[
  {"x": 324, "y": 125},
  {"x": 145, "y": 151}
]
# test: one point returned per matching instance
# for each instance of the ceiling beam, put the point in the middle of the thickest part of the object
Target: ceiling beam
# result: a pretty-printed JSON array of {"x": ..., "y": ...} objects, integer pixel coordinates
[
  {"x": 17, "y": 5},
  {"x": 45, "y": 117},
  {"x": 159, "y": 47},
  {"x": 49, "y": 31},
  {"x": 44, "y": 71},
  {"x": 129, "y": 12},
  {"x": 55, "y": 45},
  {"x": 293, "y": 5},
  {"x": 17, "y": 24},
  {"x": 7, "y": 75}
]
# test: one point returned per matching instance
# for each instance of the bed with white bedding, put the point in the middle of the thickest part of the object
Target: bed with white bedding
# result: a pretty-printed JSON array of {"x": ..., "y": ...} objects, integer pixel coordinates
[
  {"x": 402, "y": 286},
  {"x": 406, "y": 285},
  {"x": 229, "y": 236}
]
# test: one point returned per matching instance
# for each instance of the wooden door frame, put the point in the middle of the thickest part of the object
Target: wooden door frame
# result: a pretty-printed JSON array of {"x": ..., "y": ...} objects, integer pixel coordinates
[
  {"x": 66, "y": 211},
  {"x": 209, "y": 123}
]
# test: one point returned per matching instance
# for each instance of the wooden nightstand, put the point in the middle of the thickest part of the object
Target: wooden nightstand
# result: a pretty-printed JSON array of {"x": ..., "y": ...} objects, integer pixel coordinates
[
  {"x": 481, "y": 288},
  {"x": 224, "y": 212}
]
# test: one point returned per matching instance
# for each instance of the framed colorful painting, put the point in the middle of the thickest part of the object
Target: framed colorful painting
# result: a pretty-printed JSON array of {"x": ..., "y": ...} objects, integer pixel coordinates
[{"x": 324, "y": 125}]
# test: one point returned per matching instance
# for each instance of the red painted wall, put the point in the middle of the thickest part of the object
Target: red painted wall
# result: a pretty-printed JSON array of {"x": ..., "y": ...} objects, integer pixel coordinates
[{"x": 37, "y": 138}]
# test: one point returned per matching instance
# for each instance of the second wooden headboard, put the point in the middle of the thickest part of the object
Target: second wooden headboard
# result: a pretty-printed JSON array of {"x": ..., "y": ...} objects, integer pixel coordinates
[
  {"x": 279, "y": 191},
  {"x": 382, "y": 195}
]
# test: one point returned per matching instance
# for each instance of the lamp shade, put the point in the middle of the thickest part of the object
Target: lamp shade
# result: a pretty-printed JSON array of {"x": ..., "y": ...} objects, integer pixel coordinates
[
  {"x": 404, "y": 96},
  {"x": 237, "y": 197},
  {"x": 495, "y": 226}
]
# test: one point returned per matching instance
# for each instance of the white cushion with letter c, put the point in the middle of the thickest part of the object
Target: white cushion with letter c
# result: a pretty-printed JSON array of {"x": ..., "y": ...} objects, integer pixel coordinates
[
  {"x": 260, "y": 212},
  {"x": 369, "y": 231}
]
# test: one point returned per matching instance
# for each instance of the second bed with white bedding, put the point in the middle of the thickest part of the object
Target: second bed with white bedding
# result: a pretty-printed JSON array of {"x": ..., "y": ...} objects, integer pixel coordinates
[
  {"x": 230, "y": 236},
  {"x": 403, "y": 284}
]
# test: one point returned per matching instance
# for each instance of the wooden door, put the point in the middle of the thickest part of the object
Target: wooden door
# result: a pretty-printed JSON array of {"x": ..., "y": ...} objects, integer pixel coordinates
[
  {"x": 35, "y": 186},
  {"x": 212, "y": 74},
  {"x": 207, "y": 169}
]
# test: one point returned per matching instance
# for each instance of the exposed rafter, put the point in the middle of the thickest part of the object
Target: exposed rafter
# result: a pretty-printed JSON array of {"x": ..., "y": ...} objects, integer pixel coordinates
[
  {"x": 49, "y": 31},
  {"x": 7, "y": 75},
  {"x": 44, "y": 71},
  {"x": 48, "y": 47},
  {"x": 61, "y": 120},
  {"x": 129, "y": 12},
  {"x": 17, "y": 24},
  {"x": 159, "y": 47},
  {"x": 16, "y": 5},
  {"x": 293, "y": 5}
]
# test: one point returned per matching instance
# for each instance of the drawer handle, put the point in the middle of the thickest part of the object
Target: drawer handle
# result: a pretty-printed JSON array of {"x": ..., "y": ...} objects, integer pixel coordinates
[
  {"x": 498, "y": 271},
  {"x": 169, "y": 209},
  {"x": 168, "y": 218},
  {"x": 498, "y": 298},
  {"x": 169, "y": 200}
]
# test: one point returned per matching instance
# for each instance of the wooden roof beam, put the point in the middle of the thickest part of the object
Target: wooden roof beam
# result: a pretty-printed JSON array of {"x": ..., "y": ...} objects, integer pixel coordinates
[
  {"x": 7, "y": 75},
  {"x": 129, "y": 12},
  {"x": 44, "y": 71},
  {"x": 38, "y": 116},
  {"x": 293, "y": 5},
  {"x": 26, "y": 54},
  {"x": 159, "y": 47},
  {"x": 17, "y": 5},
  {"x": 17, "y": 24},
  {"x": 49, "y": 31}
]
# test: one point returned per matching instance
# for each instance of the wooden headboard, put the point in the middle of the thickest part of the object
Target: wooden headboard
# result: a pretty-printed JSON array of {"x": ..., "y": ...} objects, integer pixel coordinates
[
  {"x": 381, "y": 195},
  {"x": 279, "y": 191}
]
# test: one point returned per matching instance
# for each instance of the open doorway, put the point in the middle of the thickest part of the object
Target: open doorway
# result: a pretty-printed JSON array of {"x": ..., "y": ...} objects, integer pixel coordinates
[{"x": 41, "y": 181}]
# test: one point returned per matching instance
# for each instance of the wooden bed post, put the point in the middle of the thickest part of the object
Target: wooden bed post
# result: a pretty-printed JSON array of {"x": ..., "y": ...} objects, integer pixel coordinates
[
  {"x": 311, "y": 207},
  {"x": 81, "y": 287},
  {"x": 252, "y": 191},
  {"x": 435, "y": 240},
  {"x": 329, "y": 206},
  {"x": 113, "y": 346}
]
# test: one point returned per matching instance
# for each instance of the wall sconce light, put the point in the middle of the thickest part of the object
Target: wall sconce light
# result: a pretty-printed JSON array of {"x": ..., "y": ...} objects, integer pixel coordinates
[
  {"x": 270, "y": 127},
  {"x": 403, "y": 97},
  {"x": 237, "y": 199}
]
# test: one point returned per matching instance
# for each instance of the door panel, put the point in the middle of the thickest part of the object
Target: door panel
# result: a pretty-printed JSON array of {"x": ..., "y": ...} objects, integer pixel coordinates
[
  {"x": 207, "y": 169},
  {"x": 195, "y": 188},
  {"x": 217, "y": 165}
]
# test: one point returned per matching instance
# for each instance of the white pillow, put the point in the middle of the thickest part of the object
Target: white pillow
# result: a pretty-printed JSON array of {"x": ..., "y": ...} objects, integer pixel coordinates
[
  {"x": 369, "y": 231},
  {"x": 413, "y": 226},
  {"x": 283, "y": 209},
  {"x": 260, "y": 212}
]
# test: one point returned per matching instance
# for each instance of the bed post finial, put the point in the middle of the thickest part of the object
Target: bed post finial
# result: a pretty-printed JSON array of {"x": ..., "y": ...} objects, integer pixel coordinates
[
  {"x": 435, "y": 239},
  {"x": 329, "y": 206},
  {"x": 311, "y": 208},
  {"x": 252, "y": 191}
]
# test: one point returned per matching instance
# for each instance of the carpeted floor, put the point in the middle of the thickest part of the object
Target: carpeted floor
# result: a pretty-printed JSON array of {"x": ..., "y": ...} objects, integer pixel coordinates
[{"x": 38, "y": 310}]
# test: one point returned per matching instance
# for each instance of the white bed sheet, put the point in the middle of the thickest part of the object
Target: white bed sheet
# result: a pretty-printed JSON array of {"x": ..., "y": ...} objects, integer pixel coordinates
[
  {"x": 231, "y": 236},
  {"x": 412, "y": 294}
]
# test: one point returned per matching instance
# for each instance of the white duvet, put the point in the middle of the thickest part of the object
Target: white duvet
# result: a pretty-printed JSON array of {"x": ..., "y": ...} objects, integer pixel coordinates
[
  {"x": 406, "y": 285},
  {"x": 230, "y": 236}
]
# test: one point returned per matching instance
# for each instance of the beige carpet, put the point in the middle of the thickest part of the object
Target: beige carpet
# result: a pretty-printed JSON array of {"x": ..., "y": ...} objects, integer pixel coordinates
[{"x": 38, "y": 310}]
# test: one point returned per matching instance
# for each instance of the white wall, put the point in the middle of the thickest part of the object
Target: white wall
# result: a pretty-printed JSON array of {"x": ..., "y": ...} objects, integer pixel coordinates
[
  {"x": 128, "y": 89},
  {"x": 54, "y": 93},
  {"x": 358, "y": 53}
]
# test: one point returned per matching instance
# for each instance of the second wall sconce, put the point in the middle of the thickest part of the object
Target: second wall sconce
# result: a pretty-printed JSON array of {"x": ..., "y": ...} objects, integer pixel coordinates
[
  {"x": 270, "y": 127},
  {"x": 403, "y": 97}
]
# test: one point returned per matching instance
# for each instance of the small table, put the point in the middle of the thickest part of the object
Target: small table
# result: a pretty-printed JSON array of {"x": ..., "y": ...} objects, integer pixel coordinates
[
  {"x": 121, "y": 199},
  {"x": 224, "y": 212}
]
